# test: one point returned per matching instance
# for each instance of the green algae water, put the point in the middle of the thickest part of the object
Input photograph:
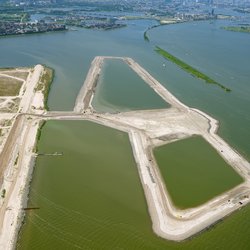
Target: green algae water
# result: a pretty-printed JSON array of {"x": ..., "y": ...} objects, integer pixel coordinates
[
  {"x": 91, "y": 197},
  {"x": 194, "y": 172},
  {"x": 120, "y": 89}
]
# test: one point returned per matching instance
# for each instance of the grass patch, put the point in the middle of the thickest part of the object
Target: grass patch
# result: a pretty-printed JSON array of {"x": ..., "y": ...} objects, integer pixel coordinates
[
  {"x": 5, "y": 69},
  {"x": 188, "y": 68},
  {"x": 14, "y": 17},
  {"x": 38, "y": 135},
  {"x": 22, "y": 75},
  {"x": 245, "y": 29},
  {"x": 3, "y": 193},
  {"x": 9, "y": 86},
  {"x": 45, "y": 84}
]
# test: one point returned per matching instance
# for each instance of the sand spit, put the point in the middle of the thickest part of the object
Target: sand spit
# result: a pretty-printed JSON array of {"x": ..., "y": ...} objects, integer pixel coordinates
[
  {"x": 83, "y": 100},
  {"x": 146, "y": 129}
]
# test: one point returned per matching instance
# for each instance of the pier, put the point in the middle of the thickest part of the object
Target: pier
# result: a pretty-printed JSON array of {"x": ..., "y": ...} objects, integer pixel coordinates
[{"x": 50, "y": 154}]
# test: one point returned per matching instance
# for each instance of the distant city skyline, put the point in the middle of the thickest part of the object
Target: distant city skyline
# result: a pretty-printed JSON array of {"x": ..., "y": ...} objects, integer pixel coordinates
[{"x": 132, "y": 3}]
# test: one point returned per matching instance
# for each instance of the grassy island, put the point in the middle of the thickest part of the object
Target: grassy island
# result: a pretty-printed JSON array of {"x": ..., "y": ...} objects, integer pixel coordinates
[
  {"x": 188, "y": 68},
  {"x": 9, "y": 86},
  {"x": 245, "y": 29}
]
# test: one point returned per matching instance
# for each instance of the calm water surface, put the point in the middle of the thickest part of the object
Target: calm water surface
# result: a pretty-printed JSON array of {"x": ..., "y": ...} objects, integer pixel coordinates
[{"x": 120, "y": 89}]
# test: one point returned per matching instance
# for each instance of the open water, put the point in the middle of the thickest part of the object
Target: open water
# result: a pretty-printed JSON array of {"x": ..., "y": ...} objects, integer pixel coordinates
[{"x": 119, "y": 88}]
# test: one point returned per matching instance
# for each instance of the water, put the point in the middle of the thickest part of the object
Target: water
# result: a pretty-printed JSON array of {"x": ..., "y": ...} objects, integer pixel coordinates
[
  {"x": 70, "y": 54},
  {"x": 89, "y": 198},
  {"x": 221, "y": 54},
  {"x": 120, "y": 89},
  {"x": 194, "y": 172}
]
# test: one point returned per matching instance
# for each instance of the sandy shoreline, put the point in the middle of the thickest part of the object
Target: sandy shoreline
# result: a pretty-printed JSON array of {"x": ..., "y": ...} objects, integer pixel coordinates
[
  {"x": 146, "y": 129},
  {"x": 18, "y": 188},
  {"x": 17, "y": 159}
]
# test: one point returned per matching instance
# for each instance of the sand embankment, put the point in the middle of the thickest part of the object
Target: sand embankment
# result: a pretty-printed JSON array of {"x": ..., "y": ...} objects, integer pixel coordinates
[
  {"x": 83, "y": 100},
  {"x": 16, "y": 162},
  {"x": 18, "y": 187}
]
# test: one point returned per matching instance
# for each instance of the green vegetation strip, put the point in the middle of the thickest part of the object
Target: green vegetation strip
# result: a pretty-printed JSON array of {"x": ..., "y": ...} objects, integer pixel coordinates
[
  {"x": 38, "y": 135},
  {"x": 9, "y": 86},
  {"x": 245, "y": 29},
  {"x": 189, "y": 68},
  {"x": 194, "y": 172},
  {"x": 22, "y": 75},
  {"x": 15, "y": 17},
  {"x": 45, "y": 84}
]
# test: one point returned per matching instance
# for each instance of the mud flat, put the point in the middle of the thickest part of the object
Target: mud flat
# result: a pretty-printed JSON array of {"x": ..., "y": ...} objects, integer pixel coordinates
[{"x": 146, "y": 129}]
